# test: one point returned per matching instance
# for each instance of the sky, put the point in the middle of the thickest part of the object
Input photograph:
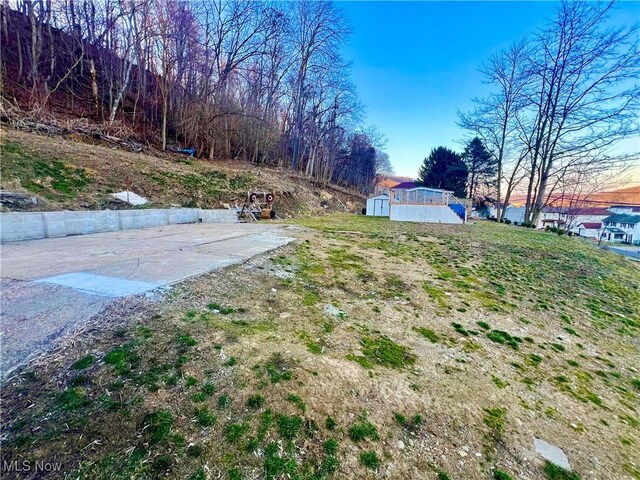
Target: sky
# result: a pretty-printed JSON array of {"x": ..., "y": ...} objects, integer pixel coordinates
[{"x": 416, "y": 63}]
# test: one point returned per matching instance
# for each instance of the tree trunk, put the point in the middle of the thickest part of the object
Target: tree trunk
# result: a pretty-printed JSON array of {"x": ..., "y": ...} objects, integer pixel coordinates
[
  {"x": 94, "y": 85},
  {"x": 165, "y": 107}
]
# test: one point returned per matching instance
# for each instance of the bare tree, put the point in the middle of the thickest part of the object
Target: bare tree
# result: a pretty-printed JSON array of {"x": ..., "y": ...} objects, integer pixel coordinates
[
  {"x": 582, "y": 93},
  {"x": 257, "y": 80},
  {"x": 494, "y": 119},
  {"x": 564, "y": 98}
]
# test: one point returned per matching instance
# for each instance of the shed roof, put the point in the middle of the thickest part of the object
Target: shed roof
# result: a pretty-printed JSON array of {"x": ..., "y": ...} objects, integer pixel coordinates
[
  {"x": 591, "y": 225},
  {"x": 381, "y": 195}
]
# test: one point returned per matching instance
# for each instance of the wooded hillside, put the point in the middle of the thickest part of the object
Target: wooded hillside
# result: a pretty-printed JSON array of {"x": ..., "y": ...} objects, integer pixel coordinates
[{"x": 233, "y": 79}]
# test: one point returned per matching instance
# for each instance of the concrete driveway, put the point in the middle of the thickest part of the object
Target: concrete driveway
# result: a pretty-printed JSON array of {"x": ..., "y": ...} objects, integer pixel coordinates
[
  {"x": 49, "y": 286},
  {"x": 630, "y": 252}
]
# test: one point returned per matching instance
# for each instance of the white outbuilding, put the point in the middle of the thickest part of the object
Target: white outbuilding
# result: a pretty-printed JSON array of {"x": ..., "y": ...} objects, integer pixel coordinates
[{"x": 378, "y": 206}]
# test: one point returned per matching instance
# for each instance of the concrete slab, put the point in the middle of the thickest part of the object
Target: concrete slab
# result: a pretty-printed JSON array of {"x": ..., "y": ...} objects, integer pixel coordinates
[
  {"x": 101, "y": 252},
  {"x": 50, "y": 285},
  {"x": 166, "y": 270},
  {"x": 100, "y": 285},
  {"x": 552, "y": 453},
  {"x": 35, "y": 314}
]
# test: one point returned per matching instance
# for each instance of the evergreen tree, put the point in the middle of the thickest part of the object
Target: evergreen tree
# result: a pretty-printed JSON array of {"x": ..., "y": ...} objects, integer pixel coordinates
[
  {"x": 444, "y": 169},
  {"x": 481, "y": 164}
]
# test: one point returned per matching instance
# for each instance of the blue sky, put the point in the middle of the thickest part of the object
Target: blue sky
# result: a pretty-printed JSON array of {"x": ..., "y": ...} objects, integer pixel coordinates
[{"x": 415, "y": 64}]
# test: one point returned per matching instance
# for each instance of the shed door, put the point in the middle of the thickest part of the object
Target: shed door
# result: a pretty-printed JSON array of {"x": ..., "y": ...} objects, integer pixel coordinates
[{"x": 378, "y": 205}]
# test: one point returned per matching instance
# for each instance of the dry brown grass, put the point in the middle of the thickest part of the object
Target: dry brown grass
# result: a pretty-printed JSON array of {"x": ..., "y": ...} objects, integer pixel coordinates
[
  {"x": 166, "y": 179},
  {"x": 375, "y": 271}
]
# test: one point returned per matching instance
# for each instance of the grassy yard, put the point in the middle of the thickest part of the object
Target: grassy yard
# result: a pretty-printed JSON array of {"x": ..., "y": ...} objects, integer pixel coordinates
[{"x": 366, "y": 349}]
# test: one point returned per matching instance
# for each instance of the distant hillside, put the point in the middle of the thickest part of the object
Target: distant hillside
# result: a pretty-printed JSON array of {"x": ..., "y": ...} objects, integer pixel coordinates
[
  {"x": 388, "y": 181},
  {"x": 630, "y": 195},
  {"x": 624, "y": 195}
]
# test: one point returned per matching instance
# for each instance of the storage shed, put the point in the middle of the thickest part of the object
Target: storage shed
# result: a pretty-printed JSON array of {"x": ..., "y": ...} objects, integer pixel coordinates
[{"x": 378, "y": 206}]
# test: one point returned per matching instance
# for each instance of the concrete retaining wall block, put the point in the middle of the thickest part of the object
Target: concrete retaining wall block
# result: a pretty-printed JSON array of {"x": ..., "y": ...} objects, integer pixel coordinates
[{"x": 32, "y": 225}]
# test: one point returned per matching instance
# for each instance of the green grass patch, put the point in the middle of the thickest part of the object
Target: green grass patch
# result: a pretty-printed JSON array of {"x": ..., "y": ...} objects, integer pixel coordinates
[
  {"x": 502, "y": 337},
  {"x": 297, "y": 401},
  {"x": 83, "y": 363},
  {"x": 460, "y": 329},
  {"x": 278, "y": 466},
  {"x": 278, "y": 368},
  {"x": 554, "y": 472},
  {"x": 534, "y": 359},
  {"x": 427, "y": 333},
  {"x": 499, "y": 382},
  {"x": 412, "y": 423},
  {"x": 381, "y": 350},
  {"x": 495, "y": 419},
  {"x": 123, "y": 359},
  {"x": 369, "y": 459},
  {"x": 204, "y": 417},
  {"x": 363, "y": 430},
  {"x": 186, "y": 340},
  {"x": 501, "y": 475},
  {"x": 289, "y": 426},
  {"x": 221, "y": 309},
  {"x": 223, "y": 402},
  {"x": 436, "y": 294},
  {"x": 73, "y": 399},
  {"x": 255, "y": 401},
  {"x": 234, "y": 432},
  {"x": 158, "y": 425},
  {"x": 330, "y": 423},
  {"x": 52, "y": 178}
]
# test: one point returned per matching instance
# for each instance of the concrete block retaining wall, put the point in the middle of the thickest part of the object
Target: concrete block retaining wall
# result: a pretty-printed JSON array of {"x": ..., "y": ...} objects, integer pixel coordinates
[{"x": 32, "y": 225}]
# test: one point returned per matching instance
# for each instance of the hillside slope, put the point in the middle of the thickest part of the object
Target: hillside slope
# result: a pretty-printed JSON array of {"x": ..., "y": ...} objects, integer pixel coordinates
[
  {"x": 68, "y": 173},
  {"x": 364, "y": 349}
]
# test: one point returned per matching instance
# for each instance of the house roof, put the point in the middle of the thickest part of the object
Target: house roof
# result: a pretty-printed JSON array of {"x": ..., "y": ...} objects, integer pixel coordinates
[
  {"x": 591, "y": 225},
  {"x": 614, "y": 230},
  {"x": 622, "y": 218},
  {"x": 406, "y": 185},
  {"x": 576, "y": 210},
  {"x": 588, "y": 211}
]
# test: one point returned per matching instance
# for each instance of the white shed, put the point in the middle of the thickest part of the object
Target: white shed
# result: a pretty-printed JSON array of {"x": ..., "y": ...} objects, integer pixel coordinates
[{"x": 378, "y": 206}]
